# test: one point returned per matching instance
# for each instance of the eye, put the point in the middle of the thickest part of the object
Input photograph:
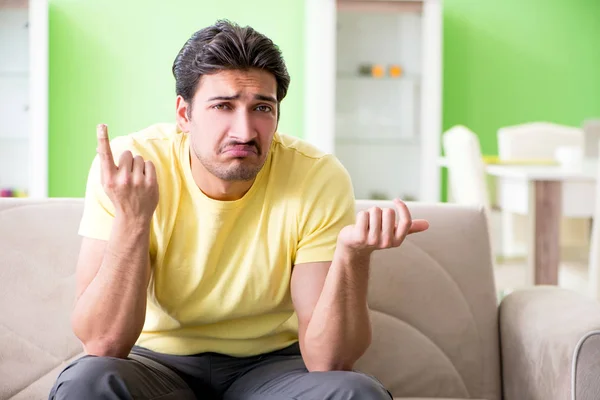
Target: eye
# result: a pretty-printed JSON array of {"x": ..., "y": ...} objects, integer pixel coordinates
[
  {"x": 221, "y": 106},
  {"x": 264, "y": 108}
]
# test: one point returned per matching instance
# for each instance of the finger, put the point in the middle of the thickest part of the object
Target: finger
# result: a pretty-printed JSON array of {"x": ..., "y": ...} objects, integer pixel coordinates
[
  {"x": 404, "y": 222},
  {"x": 104, "y": 152},
  {"x": 126, "y": 162},
  {"x": 138, "y": 169},
  {"x": 139, "y": 165},
  {"x": 388, "y": 226},
  {"x": 374, "y": 226},
  {"x": 418, "y": 225},
  {"x": 150, "y": 172},
  {"x": 362, "y": 223}
]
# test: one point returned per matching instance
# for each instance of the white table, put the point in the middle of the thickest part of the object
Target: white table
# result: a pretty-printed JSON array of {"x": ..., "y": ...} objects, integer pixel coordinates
[
  {"x": 538, "y": 191},
  {"x": 552, "y": 193}
]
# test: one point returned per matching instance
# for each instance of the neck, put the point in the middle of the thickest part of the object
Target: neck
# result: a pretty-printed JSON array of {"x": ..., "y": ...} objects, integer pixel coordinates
[{"x": 214, "y": 187}]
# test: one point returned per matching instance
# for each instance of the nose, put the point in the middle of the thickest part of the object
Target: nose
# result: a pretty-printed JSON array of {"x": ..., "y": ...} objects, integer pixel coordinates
[{"x": 242, "y": 128}]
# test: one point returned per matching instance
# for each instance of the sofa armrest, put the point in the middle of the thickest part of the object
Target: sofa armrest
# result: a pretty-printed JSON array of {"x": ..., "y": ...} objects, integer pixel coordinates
[{"x": 549, "y": 347}]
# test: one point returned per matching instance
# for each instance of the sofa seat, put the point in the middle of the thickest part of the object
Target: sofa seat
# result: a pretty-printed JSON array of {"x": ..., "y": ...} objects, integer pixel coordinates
[{"x": 39, "y": 389}]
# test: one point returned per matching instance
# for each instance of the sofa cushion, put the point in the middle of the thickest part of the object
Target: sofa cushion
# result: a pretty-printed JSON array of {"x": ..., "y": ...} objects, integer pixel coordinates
[
  {"x": 39, "y": 250},
  {"x": 432, "y": 300},
  {"x": 21, "y": 363},
  {"x": 40, "y": 389},
  {"x": 548, "y": 344},
  {"x": 37, "y": 271},
  {"x": 434, "y": 312},
  {"x": 587, "y": 367}
]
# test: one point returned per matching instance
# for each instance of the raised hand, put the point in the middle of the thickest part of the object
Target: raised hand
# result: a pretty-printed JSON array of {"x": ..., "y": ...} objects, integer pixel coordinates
[
  {"x": 377, "y": 229},
  {"x": 132, "y": 185}
]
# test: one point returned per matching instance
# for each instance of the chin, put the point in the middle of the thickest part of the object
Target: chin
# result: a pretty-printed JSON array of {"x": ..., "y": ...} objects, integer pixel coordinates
[
  {"x": 232, "y": 169},
  {"x": 239, "y": 177},
  {"x": 239, "y": 173}
]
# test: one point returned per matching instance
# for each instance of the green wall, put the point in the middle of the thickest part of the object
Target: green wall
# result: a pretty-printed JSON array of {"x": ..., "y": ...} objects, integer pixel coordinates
[
  {"x": 514, "y": 61},
  {"x": 110, "y": 62}
]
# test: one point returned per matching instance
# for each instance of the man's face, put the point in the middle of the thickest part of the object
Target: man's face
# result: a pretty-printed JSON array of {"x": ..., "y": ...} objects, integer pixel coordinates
[{"x": 232, "y": 122}]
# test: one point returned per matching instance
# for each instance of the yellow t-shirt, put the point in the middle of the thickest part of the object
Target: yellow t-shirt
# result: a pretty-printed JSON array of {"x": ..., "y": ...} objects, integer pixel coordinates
[{"x": 221, "y": 269}]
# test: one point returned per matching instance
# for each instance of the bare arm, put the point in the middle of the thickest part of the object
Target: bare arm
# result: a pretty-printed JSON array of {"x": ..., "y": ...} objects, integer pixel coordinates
[
  {"x": 333, "y": 317},
  {"x": 113, "y": 275},
  {"x": 112, "y": 278},
  {"x": 331, "y": 298}
]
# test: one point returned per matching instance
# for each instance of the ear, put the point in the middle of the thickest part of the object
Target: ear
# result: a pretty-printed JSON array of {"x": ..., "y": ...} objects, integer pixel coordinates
[{"x": 183, "y": 120}]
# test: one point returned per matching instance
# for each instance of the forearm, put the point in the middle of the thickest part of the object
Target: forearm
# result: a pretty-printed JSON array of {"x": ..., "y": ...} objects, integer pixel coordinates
[
  {"x": 339, "y": 331},
  {"x": 109, "y": 315}
]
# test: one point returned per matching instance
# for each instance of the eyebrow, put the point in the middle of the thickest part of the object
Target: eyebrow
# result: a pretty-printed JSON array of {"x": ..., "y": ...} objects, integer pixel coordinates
[{"x": 261, "y": 97}]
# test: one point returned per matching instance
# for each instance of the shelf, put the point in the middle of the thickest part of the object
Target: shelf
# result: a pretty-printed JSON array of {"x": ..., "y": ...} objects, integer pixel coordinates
[
  {"x": 356, "y": 77},
  {"x": 368, "y": 122},
  {"x": 12, "y": 74},
  {"x": 353, "y": 124},
  {"x": 12, "y": 4},
  {"x": 14, "y": 137},
  {"x": 380, "y": 6}
]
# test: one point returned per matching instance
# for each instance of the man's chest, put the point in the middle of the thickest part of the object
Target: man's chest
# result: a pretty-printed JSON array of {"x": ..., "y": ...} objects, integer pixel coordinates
[{"x": 232, "y": 266}]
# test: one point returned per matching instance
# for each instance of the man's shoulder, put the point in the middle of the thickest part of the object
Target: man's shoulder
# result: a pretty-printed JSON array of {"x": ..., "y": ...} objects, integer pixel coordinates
[
  {"x": 296, "y": 146},
  {"x": 301, "y": 160},
  {"x": 152, "y": 141},
  {"x": 302, "y": 154}
]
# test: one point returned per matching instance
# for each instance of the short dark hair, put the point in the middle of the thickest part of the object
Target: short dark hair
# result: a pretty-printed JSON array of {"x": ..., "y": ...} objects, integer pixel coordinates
[{"x": 227, "y": 46}]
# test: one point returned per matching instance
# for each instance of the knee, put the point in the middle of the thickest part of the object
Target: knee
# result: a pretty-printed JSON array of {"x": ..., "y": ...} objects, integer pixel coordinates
[
  {"x": 89, "y": 377},
  {"x": 355, "y": 386}
]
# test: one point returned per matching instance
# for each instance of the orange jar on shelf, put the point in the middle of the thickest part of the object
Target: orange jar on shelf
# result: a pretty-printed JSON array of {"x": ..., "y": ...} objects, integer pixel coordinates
[
  {"x": 377, "y": 71},
  {"x": 395, "y": 71},
  {"x": 373, "y": 70}
]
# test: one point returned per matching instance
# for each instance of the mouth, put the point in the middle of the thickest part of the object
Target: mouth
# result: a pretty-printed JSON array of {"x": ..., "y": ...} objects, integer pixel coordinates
[{"x": 241, "y": 151}]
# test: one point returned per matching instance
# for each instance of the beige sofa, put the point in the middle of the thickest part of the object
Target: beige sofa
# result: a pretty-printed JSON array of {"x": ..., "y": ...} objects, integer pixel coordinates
[{"x": 438, "y": 332}]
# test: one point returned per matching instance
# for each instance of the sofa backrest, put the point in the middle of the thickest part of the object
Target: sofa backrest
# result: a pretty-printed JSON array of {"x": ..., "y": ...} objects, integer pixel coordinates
[
  {"x": 434, "y": 313},
  {"x": 434, "y": 308},
  {"x": 38, "y": 253}
]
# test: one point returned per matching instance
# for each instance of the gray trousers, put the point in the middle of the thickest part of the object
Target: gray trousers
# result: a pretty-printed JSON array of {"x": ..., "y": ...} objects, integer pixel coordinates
[{"x": 279, "y": 375}]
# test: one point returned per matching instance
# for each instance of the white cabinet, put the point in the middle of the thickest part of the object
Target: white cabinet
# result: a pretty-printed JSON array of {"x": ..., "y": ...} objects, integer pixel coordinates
[
  {"x": 373, "y": 92},
  {"x": 23, "y": 97}
]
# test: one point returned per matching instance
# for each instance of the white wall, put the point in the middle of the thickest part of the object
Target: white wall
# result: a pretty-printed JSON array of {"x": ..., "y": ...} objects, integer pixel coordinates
[{"x": 14, "y": 98}]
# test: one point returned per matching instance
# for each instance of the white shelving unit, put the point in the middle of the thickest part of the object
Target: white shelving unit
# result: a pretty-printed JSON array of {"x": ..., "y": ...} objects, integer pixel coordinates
[
  {"x": 24, "y": 96},
  {"x": 385, "y": 130}
]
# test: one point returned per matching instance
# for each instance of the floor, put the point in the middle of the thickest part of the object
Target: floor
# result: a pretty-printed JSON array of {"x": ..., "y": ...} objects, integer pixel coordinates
[{"x": 511, "y": 275}]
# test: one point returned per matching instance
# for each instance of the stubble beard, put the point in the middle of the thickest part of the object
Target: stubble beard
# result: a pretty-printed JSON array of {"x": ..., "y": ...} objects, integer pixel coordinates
[{"x": 236, "y": 171}]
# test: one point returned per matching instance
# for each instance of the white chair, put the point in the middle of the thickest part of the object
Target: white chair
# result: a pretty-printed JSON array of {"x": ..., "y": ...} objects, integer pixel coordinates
[
  {"x": 591, "y": 132},
  {"x": 538, "y": 140},
  {"x": 466, "y": 171}
]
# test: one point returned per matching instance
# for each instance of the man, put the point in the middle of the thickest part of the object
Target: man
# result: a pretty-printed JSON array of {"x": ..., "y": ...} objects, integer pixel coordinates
[{"x": 220, "y": 259}]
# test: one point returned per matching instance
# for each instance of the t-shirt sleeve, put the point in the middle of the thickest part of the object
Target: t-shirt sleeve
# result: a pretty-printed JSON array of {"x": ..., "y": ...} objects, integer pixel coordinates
[
  {"x": 98, "y": 210},
  {"x": 327, "y": 205}
]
